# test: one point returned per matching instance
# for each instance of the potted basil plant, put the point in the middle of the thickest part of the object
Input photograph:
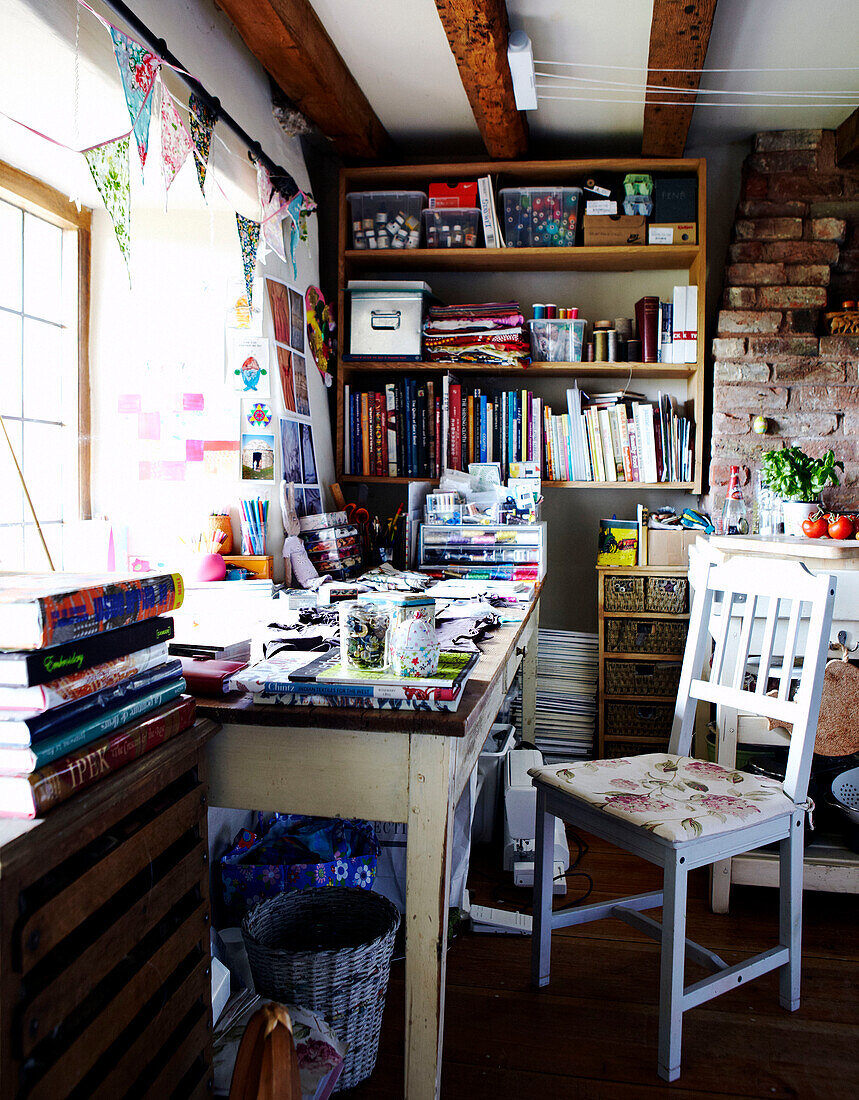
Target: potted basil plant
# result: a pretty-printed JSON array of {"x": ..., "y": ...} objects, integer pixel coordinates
[{"x": 799, "y": 480}]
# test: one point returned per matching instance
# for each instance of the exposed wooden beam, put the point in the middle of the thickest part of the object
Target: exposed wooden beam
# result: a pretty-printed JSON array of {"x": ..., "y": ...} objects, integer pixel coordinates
[
  {"x": 847, "y": 142},
  {"x": 477, "y": 33},
  {"x": 289, "y": 41},
  {"x": 679, "y": 34}
]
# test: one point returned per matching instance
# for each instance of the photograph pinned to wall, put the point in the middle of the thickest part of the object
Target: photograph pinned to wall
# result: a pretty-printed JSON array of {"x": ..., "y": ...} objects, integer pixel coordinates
[
  {"x": 239, "y": 315},
  {"x": 256, "y": 415},
  {"x": 278, "y": 300},
  {"x": 257, "y": 456},
  {"x": 312, "y": 500},
  {"x": 290, "y": 439},
  {"x": 287, "y": 383},
  {"x": 299, "y": 384},
  {"x": 247, "y": 364},
  {"x": 296, "y": 321},
  {"x": 308, "y": 459}
]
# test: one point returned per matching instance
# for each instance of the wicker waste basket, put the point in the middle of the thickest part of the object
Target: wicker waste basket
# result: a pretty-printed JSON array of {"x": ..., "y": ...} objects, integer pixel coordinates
[{"x": 328, "y": 950}]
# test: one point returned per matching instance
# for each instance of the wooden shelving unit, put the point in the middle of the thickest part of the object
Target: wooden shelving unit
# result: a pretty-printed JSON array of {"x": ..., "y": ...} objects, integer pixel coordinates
[{"x": 466, "y": 265}]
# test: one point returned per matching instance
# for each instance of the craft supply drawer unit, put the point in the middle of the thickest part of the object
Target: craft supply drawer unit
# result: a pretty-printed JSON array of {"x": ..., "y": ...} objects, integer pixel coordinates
[
  {"x": 643, "y": 618},
  {"x": 105, "y": 987}
]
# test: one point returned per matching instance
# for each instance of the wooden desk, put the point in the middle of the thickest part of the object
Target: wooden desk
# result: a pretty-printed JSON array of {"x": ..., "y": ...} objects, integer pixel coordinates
[{"x": 383, "y": 765}]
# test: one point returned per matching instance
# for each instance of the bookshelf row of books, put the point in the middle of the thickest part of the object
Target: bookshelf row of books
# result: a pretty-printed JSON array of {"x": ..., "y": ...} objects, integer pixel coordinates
[
  {"x": 86, "y": 682},
  {"x": 417, "y": 428}
]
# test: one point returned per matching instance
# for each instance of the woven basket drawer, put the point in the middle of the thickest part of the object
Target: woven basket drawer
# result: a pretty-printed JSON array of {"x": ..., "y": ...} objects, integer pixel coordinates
[
  {"x": 638, "y": 719},
  {"x": 667, "y": 594},
  {"x": 624, "y": 594},
  {"x": 644, "y": 636},
  {"x": 632, "y": 678},
  {"x": 614, "y": 749}
]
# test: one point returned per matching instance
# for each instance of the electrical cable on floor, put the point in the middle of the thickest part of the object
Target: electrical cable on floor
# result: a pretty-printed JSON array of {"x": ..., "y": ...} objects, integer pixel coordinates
[{"x": 583, "y": 850}]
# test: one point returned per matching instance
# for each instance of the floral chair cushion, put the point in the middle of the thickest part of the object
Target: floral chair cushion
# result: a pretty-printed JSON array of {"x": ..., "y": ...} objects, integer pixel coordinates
[{"x": 677, "y": 798}]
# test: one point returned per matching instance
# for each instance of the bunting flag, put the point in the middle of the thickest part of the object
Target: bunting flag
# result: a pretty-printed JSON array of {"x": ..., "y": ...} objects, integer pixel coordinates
[
  {"x": 138, "y": 69},
  {"x": 249, "y": 240},
  {"x": 273, "y": 212},
  {"x": 202, "y": 125},
  {"x": 109, "y": 166},
  {"x": 176, "y": 142},
  {"x": 298, "y": 207}
]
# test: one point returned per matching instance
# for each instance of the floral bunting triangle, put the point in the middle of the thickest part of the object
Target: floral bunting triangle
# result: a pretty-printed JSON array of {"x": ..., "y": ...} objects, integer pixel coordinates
[
  {"x": 109, "y": 166},
  {"x": 202, "y": 124},
  {"x": 176, "y": 142},
  {"x": 273, "y": 212},
  {"x": 298, "y": 207},
  {"x": 138, "y": 69},
  {"x": 249, "y": 240}
]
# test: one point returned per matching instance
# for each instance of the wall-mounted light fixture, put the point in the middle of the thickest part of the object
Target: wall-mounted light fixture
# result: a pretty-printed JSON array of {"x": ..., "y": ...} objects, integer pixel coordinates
[{"x": 521, "y": 61}]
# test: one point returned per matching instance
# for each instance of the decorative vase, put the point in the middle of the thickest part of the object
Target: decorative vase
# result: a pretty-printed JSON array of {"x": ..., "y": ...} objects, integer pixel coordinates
[
  {"x": 795, "y": 511},
  {"x": 209, "y": 567},
  {"x": 222, "y": 523},
  {"x": 414, "y": 648}
]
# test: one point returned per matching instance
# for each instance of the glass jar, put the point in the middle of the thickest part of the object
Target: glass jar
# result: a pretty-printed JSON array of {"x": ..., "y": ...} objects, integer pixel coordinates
[{"x": 364, "y": 634}]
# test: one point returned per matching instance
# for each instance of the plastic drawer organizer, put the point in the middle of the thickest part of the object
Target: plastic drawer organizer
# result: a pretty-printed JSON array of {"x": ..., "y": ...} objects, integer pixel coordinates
[{"x": 466, "y": 547}]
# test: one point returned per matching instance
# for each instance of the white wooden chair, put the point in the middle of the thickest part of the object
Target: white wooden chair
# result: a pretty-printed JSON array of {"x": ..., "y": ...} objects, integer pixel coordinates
[{"x": 683, "y": 813}]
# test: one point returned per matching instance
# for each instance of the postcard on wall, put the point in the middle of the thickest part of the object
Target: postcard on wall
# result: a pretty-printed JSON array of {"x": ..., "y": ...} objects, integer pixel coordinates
[
  {"x": 299, "y": 384},
  {"x": 256, "y": 415},
  {"x": 308, "y": 501},
  {"x": 296, "y": 321},
  {"x": 308, "y": 459},
  {"x": 239, "y": 315},
  {"x": 278, "y": 300},
  {"x": 287, "y": 383},
  {"x": 257, "y": 456},
  {"x": 290, "y": 438},
  {"x": 247, "y": 364}
]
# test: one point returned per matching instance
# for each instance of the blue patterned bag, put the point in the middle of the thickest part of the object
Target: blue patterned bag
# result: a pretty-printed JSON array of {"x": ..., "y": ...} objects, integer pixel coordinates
[{"x": 295, "y": 852}]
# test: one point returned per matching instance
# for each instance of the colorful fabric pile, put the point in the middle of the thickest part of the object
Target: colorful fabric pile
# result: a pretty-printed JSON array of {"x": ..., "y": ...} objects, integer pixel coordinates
[{"x": 489, "y": 332}]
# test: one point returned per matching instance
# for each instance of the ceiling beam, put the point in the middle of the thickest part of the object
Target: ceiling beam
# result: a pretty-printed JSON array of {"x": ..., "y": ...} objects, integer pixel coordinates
[
  {"x": 291, "y": 44},
  {"x": 679, "y": 34},
  {"x": 847, "y": 142},
  {"x": 477, "y": 33}
]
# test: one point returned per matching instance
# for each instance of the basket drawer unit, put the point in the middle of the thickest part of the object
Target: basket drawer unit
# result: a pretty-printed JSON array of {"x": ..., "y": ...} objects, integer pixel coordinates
[
  {"x": 624, "y": 593},
  {"x": 645, "y": 636},
  {"x": 665, "y": 594},
  {"x": 639, "y": 720},
  {"x": 614, "y": 749},
  {"x": 634, "y": 678}
]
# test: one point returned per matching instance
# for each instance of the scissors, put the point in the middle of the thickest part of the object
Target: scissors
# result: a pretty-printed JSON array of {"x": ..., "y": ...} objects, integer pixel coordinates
[{"x": 357, "y": 515}]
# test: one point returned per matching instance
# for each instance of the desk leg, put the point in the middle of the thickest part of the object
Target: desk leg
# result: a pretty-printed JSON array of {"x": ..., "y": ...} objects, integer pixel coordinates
[
  {"x": 529, "y": 683},
  {"x": 427, "y": 892}
]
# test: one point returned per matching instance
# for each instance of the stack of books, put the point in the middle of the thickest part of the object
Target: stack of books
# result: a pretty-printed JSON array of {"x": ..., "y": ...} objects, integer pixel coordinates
[
  {"x": 618, "y": 436},
  {"x": 86, "y": 682},
  {"x": 292, "y": 680},
  {"x": 567, "y": 676}
]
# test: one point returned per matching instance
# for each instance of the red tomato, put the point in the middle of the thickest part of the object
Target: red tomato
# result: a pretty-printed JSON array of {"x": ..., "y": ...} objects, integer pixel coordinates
[
  {"x": 815, "y": 526},
  {"x": 840, "y": 527}
]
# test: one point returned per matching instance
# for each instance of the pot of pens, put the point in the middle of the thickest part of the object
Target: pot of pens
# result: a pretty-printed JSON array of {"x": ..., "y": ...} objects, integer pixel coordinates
[
  {"x": 206, "y": 562},
  {"x": 253, "y": 521}
]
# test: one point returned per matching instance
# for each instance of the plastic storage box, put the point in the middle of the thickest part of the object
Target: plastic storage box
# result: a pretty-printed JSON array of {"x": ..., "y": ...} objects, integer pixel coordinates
[
  {"x": 555, "y": 341},
  {"x": 386, "y": 219},
  {"x": 539, "y": 217},
  {"x": 455, "y": 227},
  {"x": 497, "y": 551}
]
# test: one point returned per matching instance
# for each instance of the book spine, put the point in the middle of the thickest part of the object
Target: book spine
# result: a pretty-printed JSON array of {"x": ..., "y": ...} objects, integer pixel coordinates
[
  {"x": 439, "y": 468},
  {"x": 391, "y": 424},
  {"x": 60, "y": 780},
  {"x": 399, "y": 405},
  {"x": 373, "y": 691},
  {"x": 691, "y": 328},
  {"x": 537, "y": 434},
  {"x": 357, "y": 441},
  {"x": 484, "y": 438},
  {"x": 381, "y": 437},
  {"x": 623, "y": 433},
  {"x": 365, "y": 435},
  {"x": 588, "y": 451},
  {"x": 455, "y": 457},
  {"x": 445, "y": 423},
  {"x": 365, "y": 701},
  {"x": 414, "y": 460},
  {"x": 469, "y": 446},
  {"x": 678, "y": 317},
  {"x": 616, "y": 447},
  {"x": 430, "y": 420},
  {"x": 347, "y": 430},
  {"x": 484, "y": 192},
  {"x": 423, "y": 442},
  {"x": 658, "y": 440}
]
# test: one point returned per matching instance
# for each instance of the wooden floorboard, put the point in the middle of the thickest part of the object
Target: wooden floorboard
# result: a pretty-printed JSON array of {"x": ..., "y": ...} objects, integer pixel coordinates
[{"x": 591, "y": 1034}]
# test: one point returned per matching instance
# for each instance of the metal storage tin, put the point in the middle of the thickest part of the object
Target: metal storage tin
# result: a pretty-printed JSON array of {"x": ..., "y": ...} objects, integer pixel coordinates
[{"x": 386, "y": 320}]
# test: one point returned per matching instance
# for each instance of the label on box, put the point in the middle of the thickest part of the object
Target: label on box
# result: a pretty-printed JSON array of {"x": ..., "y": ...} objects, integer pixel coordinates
[
  {"x": 597, "y": 190},
  {"x": 445, "y": 196},
  {"x": 660, "y": 234},
  {"x": 600, "y": 206}
]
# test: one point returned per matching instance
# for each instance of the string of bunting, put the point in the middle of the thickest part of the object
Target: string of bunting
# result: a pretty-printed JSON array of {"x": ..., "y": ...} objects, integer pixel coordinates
[{"x": 109, "y": 161}]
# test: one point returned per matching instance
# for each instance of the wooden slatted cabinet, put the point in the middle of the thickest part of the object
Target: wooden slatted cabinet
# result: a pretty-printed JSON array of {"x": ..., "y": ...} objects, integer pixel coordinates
[{"x": 105, "y": 986}]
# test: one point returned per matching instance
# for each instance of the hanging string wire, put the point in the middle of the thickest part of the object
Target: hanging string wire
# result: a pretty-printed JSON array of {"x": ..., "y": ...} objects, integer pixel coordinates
[
  {"x": 702, "y": 68},
  {"x": 684, "y": 102},
  {"x": 609, "y": 85}
]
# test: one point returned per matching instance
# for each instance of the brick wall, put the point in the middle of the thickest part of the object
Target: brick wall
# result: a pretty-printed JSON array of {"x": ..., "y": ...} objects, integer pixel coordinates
[{"x": 794, "y": 254}]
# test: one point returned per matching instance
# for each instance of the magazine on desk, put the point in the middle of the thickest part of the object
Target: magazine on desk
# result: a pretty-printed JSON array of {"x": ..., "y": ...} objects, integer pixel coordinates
[{"x": 454, "y": 668}]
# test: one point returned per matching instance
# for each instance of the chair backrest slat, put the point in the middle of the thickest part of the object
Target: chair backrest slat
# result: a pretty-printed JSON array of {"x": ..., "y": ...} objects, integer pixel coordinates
[
  {"x": 789, "y": 650},
  {"x": 725, "y": 613},
  {"x": 767, "y": 645},
  {"x": 745, "y": 640}
]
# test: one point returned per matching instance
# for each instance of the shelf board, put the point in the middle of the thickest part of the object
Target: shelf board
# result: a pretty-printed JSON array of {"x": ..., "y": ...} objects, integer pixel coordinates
[
  {"x": 685, "y": 486},
  {"x": 654, "y": 257},
  {"x": 536, "y": 369}
]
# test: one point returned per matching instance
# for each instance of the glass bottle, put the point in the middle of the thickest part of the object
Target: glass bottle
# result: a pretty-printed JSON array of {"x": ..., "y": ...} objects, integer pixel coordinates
[{"x": 734, "y": 517}]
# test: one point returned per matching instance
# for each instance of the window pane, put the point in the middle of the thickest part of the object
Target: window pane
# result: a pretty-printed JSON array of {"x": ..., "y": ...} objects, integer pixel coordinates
[
  {"x": 43, "y": 269},
  {"x": 10, "y": 363},
  {"x": 10, "y": 268},
  {"x": 43, "y": 370},
  {"x": 46, "y": 469},
  {"x": 35, "y": 560},
  {"x": 12, "y": 548},
  {"x": 11, "y": 497}
]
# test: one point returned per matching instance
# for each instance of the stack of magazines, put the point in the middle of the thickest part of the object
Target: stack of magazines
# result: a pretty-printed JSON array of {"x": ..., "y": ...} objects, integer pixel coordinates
[
  {"x": 86, "y": 683},
  {"x": 489, "y": 332},
  {"x": 567, "y": 674}
]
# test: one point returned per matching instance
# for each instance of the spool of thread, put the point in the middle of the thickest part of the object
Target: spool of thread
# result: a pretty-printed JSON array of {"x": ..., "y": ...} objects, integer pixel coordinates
[
  {"x": 602, "y": 324},
  {"x": 612, "y": 345},
  {"x": 589, "y": 352},
  {"x": 573, "y": 313},
  {"x": 600, "y": 345},
  {"x": 551, "y": 311},
  {"x": 633, "y": 350},
  {"x": 624, "y": 327},
  {"x": 539, "y": 311}
]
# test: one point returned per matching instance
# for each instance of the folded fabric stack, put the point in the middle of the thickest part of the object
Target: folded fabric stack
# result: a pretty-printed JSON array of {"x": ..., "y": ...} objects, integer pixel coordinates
[{"x": 488, "y": 332}]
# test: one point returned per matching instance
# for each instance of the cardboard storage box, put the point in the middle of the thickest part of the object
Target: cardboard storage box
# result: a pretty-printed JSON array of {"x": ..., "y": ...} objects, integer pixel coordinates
[
  {"x": 602, "y": 229},
  {"x": 672, "y": 233},
  {"x": 669, "y": 547}
]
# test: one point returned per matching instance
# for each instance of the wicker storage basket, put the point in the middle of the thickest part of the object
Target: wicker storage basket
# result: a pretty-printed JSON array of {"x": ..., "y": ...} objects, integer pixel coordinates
[
  {"x": 614, "y": 749},
  {"x": 328, "y": 950},
  {"x": 632, "y": 678},
  {"x": 638, "y": 719},
  {"x": 666, "y": 594},
  {"x": 644, "y": 636},
  {"x": 624, "y": 594}
]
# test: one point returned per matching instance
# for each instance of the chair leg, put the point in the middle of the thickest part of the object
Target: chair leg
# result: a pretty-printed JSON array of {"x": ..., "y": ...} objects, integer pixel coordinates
[
  {"x": 541, "y": 933},
  {"x": 671, "y": 969},
  {"x": 790, "y": 856}
]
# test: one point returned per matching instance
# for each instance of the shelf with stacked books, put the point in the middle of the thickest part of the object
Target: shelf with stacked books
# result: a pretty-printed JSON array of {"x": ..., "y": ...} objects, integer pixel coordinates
[{"x": 476, "y": 274}]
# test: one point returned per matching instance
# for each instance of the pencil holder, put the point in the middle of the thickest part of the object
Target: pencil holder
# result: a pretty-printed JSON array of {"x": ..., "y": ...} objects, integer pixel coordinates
[
  {"x": 253, "y": 539},
  {"x": 364, "y": 634},
  {"x": 220, "y": 522}
]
